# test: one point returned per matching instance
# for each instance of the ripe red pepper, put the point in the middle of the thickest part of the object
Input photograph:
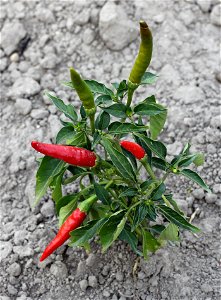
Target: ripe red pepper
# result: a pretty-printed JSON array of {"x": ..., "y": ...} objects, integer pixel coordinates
[
  {"x": 133, "y": 148},
  {"x": 72, "y": 155},
  {"x": 71, "y": 223}
]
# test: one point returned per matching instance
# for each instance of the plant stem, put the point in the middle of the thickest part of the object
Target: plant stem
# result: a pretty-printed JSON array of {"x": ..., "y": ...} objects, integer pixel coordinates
[
  {"x": 148, "y": 168},
  {"x": 92, "y": 123},
  {"x": 165, "y": 177},
  {"x": 166, "y": 201}
]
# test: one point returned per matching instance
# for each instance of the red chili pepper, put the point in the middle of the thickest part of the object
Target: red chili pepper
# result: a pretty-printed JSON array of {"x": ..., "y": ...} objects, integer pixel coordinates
[
  {"x": 71, "y": 223},
  {"x": 133, "y": 148},
  {"x": 72, "y": 155}
]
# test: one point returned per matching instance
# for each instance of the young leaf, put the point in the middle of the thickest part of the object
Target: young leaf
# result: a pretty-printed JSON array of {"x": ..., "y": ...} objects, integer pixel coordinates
[
  {"x": 157, "y": 193},
  {"x": 99, "y": 88},
  {"x": 102, "y": 194},
  {"x": 149, "y": 243},
  {"x": 79, "y": 139},
  {"x": 118, "y": 128},
  {"x": 103, "y": 99},
  {"x": 174, "y": 204},
  {"x": 196, "y": 178},
  {"x": 83, "y": 234},
  {"x": 122, "y": 88},
  {"x": 148, "y": 78},
  {"x": 64, "y": 201},
  {"x": 131, "y": 158},
  {"x": 151, "y": 212},
  {"x": 175, "y": 218},
  {"x": 102, "y": 121},
  {"x": 67, "y": 210},
  {"x": 119, "y": 160},
  {"x": 155, "y": 146},
  {"x": 187, "y": 160},
  {"x": 68, "y": 110},
  {"x": 159, "y": 163},
  {"x": 64, "y": 134},
  {"x": 57, "y": 189},
  {"x": 48, "y": 169},
  {"x": 129, "y": 237},
  {"x": 129, "y": 192},
  {"x": 157, "y": 123},
  {"x": 117, "y": 110},
  {"x": 170, "y": 233},
  {"x": 149, "y": 109},
  {"x": 139, "y": 215}
]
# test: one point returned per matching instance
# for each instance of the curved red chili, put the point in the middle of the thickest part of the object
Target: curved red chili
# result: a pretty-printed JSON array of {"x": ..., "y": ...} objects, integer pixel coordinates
[
  {"x": 70, "y": 154},
  {"x": 133, "y": 148}
]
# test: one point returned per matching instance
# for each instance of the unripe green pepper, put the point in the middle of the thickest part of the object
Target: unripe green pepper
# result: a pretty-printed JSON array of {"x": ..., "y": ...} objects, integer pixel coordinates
[
  {"x": 83, "y": 92},
  {"x": 144, "y": 56}
]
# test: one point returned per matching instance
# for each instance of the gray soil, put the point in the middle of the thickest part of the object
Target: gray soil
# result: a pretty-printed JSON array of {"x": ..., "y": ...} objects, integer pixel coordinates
[{"x": 89, "y": 36}]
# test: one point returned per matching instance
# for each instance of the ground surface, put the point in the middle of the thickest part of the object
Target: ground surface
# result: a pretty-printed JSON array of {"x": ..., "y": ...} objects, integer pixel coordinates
[{"x": 65, "y": 33}]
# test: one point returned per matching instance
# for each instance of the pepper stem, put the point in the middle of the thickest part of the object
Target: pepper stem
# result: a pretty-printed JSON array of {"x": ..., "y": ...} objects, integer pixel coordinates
[
  {"x": 92, "y": 123},
  {"x": 147, "y": 167},
  {"x": 130, "y": 96}
]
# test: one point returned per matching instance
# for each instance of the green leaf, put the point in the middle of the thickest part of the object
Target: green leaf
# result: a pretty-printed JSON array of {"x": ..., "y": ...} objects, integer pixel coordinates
[
  {"x": 102, "y": 121},
  {"x": 67, "y": 210},
  {"x": 99, "y": 88},
  {"x": 199, "y": 160},
  {"x": 103, "y": 99},
  {"x": 150, "y": 244},
  {"x": 187, "y": 160},
  {"x": 102, "y": 194},
  {"x": 119, "y": 160},
  {"x": 175, "y": 218},
  {"x": 96, "y": 139},
  {"x": 117, "y": 110},
  {"x": 129, "y": 237},
  {"x": 157, "y": 123},
  {"x": 129, "y": 192},
  {"x": 76, "y": 176},
  {"x": 118, "y": 128},
  {"x": 170, "y": 233},
  {"x": 195, "y": 178},
  {"x": 149, "y": 109},
  {"x": 68, "y": 110},
  {"x": 155, "y": 146},
  {"x": 57, "y": 189},
  {"x": 151, "y": 212},
  {"x": 122, "y": 88},
  {"x": 159, "y": 163},
  {"x": 148, "y": 78},
  {"x": 174, "y": 204},
  {"x": 48, "y": 169},
  {"x": 79, "y": 139},
  {"x": 83, "y": 234},
  {"x": 131, "y": 158},
  {"x": 139, "y": 215},
  {"x": 64, "y": 134},
  {"x": 64, "y": 201},
  {"x": 157, "y": 193},
  {"x": 111, "y": 229}
]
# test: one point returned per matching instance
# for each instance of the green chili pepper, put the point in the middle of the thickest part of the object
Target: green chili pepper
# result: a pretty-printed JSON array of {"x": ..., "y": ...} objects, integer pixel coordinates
[
  {"x": 83, "y": 92},
  {"x": 144, "y": 56}
]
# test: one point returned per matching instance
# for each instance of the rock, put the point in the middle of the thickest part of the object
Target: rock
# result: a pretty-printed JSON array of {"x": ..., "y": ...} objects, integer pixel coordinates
[
  {"x": 211, "y": 198},
  {"x": 189, "y": 94},
  {"x": 92, "y": 281},
  {"x": 47, "y": 209},
  {"x": 12, "y": 290},
  {"x": 39, "y": 113},
  {"x": 112, "y": 23},
  {"x": 83, "y": 284},
  {"x": 5, "y": 249},
  {"x": 211, "y": 148},
  {"x": 119, "y": 276},
  {"x": 49, "y": 61},
  {"x": 3, "y": 64},
  {"x": 206, "y": 288},
  {"x": 19, "y": 236},
  {"x": 198, "y": 194},
  {"x": 188, "y": 17},
  {"x": 182, "y": 204},
  {"x": 175, "y": 148},
  {"x": 14, "y": 57},
  {"x": 83, "y": 17},
  {"x": 81, "y": 268},
  {"x": 59, "y": 269},
  {"x": 30, "y": 192},
  {"x": 23, "y": 251},
  {"x": 24, "y": 86},
  {"x": 216, "y": 121},
  {"x": 23, "y": 106},
  {"x": 88, "y": 36},
  {"x": 204, "y": 5},
  {"x": 55, "y": 125},
  {"x": 45, "y": 15},
  {"x": 91, "y": 260},
  {"x": 215, "y": 15},
  {"x": 14, "y": 269},
  {"x": 11, "y": 34}
]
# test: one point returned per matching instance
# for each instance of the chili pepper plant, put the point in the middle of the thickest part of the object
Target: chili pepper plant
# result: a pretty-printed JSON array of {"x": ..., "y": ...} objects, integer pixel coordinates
[{"x": 104, "y": 147}]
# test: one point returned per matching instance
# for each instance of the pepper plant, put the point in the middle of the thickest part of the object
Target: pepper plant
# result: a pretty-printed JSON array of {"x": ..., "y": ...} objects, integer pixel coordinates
[{"x": 103, "y": 147}]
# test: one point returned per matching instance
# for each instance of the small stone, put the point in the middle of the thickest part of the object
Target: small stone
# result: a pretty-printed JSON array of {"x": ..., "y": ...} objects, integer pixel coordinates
[
  {"x": 215, "y": 15},
  {"x": 14, "y": 57},
  {"x": 11, "y": 35},
  {"x": 119, "y": 276},
  {"x": 3, "y": 64},
  {"x": 83, "y": 285},
  {"x": 14, "y": 269},
  {"x": 5, "y": 249},
  {"x": 59, "y": 269},
  {"x": 88, "y": 36},
  {"x": 23, "y": 106},
  {"x": 23, "y": 251},
  {"x": 204, "y": 5},
  {"x": 211, "y": 148},
  {"x": 112, "y": 23},
  {"x": 216, "y": 122},
  {"x": 19, "y": 236},
  {"x": 159, "y": 18},
  {"x": 24, "y": 86},
  {"x": 12, "y": 290},
  {"x": 189, "y": 94},
  {"x": 81, "y": 268},
  {"x": 198, "y": 194},
  {"x": 211, "y": 198},
  {"x": 45, "y": 15},
  {"x": 106, "y": 294},
  {"x": 39, "y": 113},
  {"x": 92, "y": 281},
  {"x": 55, "y": 125},
  {"x": 206, "y": 288},
  {"x": 47, "y": 209},
  {"x": 83, "y": 17},
  {"x": 91, "y": 260},
  {"x": 49, "y": 62},
  {"x": 183, "y": 205}
]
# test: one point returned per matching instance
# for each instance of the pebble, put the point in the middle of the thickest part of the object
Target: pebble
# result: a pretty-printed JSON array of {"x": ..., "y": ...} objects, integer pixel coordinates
[
  {"x": 83, "y": 17},
  {"x": 49, "y": 61},
  {"x": 119, "y": 276},
  {"x": 47, "y": 209},
  {"x": 204, "y": 5},
  {"x": 3, "y": 64},
  {"x": 198, "y": 194},
  {"x": 211, "y": 198},
  {"x": 12, "y": 290},
  {"x": 92, "y": 281},
  {"x": 5, "y": 249},
  {"x": 24, "y": 86},
  {"x": 19, "y": 236},
  {"x": 189, "y": 94},
  {"x": 23, "y": 106},
  {"x": 216, "y": 121},
  {"x": 91, "y": 260},
  {"x": 83, "y": 284},
  {"x": 39, "y": 113},
  {"x": 183, "y": 205},
  {"x": 59, "y": 269},
  {"x": 106, "y": 294},
  {"x": 14, "y": 269},
  {"x": 23, "y": 251},
  {"x": 206, "y": 288},
  {"x": 11, "y": 34},
  {"x": 211, "y": 148},
  {"x": 112, "y": 23},
  {"x": 81, "y": 268},
  {"x": 88, "y": 36},
  {"x": 215, "y": 15}
]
